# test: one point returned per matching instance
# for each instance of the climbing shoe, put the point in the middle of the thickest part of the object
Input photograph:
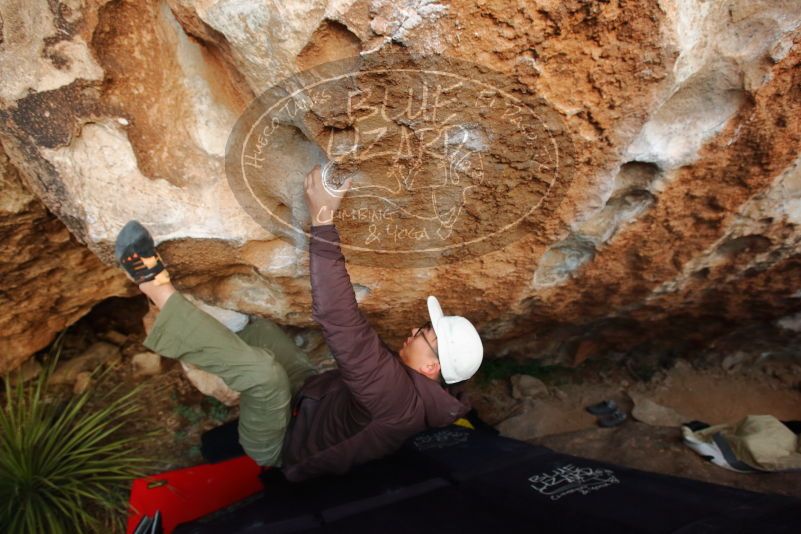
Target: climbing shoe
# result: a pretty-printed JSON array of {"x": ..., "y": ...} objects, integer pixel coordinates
[
  {"x": 136, "y": 253},
  {"x": 609, "y": 420},
  {"x": 602, "y": 408}
]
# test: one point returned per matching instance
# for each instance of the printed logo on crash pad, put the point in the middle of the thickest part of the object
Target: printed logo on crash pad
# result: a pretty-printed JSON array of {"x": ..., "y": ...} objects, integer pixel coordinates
[
  {"x": 440, "y": 439},
  {"x": 570, "y": 479}
]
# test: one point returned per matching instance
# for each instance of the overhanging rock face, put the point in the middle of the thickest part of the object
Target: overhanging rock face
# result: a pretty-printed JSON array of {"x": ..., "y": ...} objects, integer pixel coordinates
[
  {"x": 674, "y": 125},
  {"x": 49, "y": 280}
]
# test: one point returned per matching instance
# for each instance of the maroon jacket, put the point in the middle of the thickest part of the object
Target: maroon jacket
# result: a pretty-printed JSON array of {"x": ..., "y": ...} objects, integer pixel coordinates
[{"x": 372, "y": 403}]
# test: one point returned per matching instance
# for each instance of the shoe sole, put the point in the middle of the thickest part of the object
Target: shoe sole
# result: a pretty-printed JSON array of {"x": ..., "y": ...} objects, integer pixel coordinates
[{"x": 135, "y": 236}]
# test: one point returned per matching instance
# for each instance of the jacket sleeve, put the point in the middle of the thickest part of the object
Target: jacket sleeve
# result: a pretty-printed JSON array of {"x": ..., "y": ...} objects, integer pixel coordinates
[{"x": 372, "y": 373}]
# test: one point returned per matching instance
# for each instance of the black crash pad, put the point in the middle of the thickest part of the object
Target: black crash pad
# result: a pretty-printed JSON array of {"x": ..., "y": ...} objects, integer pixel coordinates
[{"x": 459, "y": 480}]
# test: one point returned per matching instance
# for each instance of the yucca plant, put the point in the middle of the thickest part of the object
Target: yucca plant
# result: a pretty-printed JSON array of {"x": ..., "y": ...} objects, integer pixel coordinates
[{"x": 63, "y": 465}]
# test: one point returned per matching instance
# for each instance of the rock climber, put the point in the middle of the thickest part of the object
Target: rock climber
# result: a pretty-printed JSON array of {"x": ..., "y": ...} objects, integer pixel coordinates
[{"x": 292, "y": 417}]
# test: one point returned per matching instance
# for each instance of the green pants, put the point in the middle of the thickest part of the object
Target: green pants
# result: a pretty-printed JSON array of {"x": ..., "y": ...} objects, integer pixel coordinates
[{"x": 261, "y": 362}]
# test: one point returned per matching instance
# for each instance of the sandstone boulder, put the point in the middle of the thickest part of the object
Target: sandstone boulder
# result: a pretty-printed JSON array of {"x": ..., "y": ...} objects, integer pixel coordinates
[
  {"x": 48, "y": 279},
  {"x": 663, "y": 177}
]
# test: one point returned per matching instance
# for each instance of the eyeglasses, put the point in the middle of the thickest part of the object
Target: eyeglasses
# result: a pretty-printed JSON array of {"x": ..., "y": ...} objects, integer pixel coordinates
[{"x": 421, "y": 330}]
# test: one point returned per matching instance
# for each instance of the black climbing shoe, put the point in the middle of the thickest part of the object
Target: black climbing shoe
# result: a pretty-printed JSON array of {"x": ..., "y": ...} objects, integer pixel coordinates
[
  {"x": 611, "y": 419},
  {"x": 136, "y": 253},
  {"x": 602, "y": 408}
]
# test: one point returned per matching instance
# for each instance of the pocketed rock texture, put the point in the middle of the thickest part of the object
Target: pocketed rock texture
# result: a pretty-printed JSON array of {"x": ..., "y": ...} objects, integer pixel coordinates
[
  {"x": 674, "y": 220},
  {"x": 49, "y": 279}
]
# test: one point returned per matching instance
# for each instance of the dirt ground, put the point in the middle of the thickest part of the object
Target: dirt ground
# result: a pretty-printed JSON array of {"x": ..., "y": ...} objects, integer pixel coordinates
[
  {"x": 708, "y": 389},
  {"x": 173, "y": 414},
  {"x": 703, "y": 392}
]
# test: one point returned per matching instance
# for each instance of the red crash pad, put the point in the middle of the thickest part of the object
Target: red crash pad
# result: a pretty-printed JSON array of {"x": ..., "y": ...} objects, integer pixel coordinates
[{"x": 186, "y": 494}]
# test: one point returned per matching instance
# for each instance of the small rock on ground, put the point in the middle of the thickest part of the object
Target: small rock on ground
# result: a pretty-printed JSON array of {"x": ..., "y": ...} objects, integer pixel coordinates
[
  {"x": 82, "y": 382},
  {"x": 526, "y": 386},
  {"x": 732, "y": 362},
  {"x": 146, "y": 364},
  {"x": 651, "y": 413},
  {"x": 27, "y": 371},
  {"x": 117, "y": 338},
  {"x": 97, "y": 354},
  {"x": 788, "y": 373}
]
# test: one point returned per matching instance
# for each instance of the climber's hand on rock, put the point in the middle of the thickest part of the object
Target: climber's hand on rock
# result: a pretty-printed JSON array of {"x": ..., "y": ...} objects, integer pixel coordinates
[{"x": 322, "y": 201}]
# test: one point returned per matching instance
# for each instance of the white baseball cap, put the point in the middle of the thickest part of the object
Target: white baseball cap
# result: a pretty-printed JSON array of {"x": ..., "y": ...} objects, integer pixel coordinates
[{"x": 458, "y": 344}]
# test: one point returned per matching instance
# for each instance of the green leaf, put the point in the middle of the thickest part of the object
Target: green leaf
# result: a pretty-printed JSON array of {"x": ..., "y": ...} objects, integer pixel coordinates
[{"x": 64, "y": 467}]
